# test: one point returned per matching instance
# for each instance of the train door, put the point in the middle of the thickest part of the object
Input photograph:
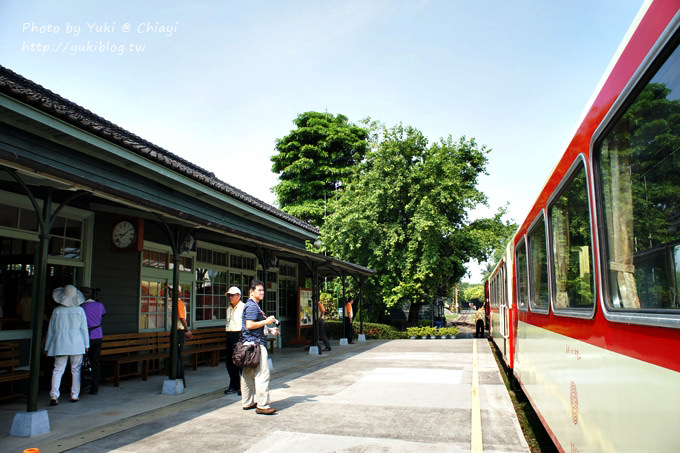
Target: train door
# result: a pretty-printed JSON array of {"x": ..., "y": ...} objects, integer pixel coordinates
[{"x": 504, "y": 310}]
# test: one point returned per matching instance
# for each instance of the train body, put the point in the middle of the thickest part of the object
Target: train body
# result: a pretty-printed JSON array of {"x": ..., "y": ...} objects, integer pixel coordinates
[{"x": 585, "y": 304}]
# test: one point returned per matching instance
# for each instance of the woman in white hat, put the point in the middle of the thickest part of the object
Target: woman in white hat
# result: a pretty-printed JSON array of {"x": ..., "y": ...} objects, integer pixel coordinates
[{"x": 67, "y": 339}]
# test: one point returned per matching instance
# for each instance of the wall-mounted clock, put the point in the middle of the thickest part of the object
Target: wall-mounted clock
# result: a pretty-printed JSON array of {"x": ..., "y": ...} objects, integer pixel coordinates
[{"x": 124, "y": 234}]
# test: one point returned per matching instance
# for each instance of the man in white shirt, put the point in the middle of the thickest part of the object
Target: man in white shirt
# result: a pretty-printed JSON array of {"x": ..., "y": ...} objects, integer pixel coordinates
[{"x": 234, "y": 324}]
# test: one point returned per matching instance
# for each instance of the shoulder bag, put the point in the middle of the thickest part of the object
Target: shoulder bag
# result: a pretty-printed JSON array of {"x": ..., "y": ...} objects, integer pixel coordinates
[{"x": 246, "y": 355}]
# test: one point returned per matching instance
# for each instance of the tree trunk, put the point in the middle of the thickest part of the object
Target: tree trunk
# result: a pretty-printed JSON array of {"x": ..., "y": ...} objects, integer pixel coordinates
[{"x": 413, "y": 310}]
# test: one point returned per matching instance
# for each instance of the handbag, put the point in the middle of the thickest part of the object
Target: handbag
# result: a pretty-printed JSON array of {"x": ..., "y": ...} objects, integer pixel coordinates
[
  {"x": 246, "y": 355},
  {"x": 85, "y": 372}
]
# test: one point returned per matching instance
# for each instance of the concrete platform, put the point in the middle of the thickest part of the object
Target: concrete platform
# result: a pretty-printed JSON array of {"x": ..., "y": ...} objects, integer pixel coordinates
[{"x": 401, "y": 396}]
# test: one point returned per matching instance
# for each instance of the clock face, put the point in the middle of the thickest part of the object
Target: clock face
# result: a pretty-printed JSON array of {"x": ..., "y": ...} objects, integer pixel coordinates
[{"x": 123, "y": 234}]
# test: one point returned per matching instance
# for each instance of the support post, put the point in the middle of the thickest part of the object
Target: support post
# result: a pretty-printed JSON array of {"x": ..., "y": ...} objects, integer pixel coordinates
[
  {"x": 362, "y": 336},
  {"x": 344, "y": 340},
  {"x": 315, "y": 311},
  {"x": 38, "y": 303}
]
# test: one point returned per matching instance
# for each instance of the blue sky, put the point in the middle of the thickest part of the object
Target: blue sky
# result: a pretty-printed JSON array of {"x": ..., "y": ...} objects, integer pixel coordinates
[{"x": 217, "y": 82}]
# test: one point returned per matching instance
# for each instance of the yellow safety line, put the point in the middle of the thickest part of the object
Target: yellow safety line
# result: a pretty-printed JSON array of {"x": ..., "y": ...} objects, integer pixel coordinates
[{"x": 476, "y": 444}]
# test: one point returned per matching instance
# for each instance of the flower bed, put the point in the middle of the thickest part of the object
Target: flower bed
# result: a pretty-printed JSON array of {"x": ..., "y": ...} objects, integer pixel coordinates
[{"x": 432, "y": 332}]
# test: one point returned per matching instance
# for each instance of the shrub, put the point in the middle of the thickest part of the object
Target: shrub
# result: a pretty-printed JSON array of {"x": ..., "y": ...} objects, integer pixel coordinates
[
  {"x": 431, "y": 331},
  {"x": 373, "y": 331},
  {"x": 452, "y": 331},
  {"x": 414, "y": 331}
]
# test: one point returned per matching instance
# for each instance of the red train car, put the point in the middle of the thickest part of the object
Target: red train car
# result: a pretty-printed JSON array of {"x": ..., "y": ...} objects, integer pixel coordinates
[{"x": 585, "y": 305}]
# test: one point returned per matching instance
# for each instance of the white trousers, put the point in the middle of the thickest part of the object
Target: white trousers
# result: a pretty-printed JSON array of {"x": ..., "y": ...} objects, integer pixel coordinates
[
  {"x": 255, "y": 382},
  {"x": 59, "y": 367}
]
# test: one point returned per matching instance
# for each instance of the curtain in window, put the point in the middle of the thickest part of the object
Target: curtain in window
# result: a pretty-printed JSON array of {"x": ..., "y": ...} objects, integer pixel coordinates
[
  {"x": 621, "y": 235},
  {"x": 561, "y": 247}
]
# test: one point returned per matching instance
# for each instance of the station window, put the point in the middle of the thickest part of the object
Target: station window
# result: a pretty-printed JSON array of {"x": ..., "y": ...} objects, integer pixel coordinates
[
  {"x": 571, "y": 244},
  {"x": 211, "y": 299},
  {"x": 639, "y": 175},
  {"x": 242, "y": 281},
  {"x": 539, "y": 292},
  {"x": 522, "y": 278},
  {"x": 66, "y": 239},
  {"x": 155, "y": 259},
  {"x": 68, "y": 260},
  {"x": 156, "y": 304},
  {"x": 152, "y": 306},
  {"x": 288, "y": 290}
]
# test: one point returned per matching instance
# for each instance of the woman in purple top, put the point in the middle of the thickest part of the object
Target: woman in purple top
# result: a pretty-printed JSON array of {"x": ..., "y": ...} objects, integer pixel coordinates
[{"x": 94, "y": 311}]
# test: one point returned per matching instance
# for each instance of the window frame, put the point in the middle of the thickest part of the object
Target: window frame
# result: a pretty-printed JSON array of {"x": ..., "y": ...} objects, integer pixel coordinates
[
  {"x": 281, "y": 286},
  {"x": 540, "y": 219},
  {"x": 186, "y": 279},
  {"x": 522, "y": 243},
  {"x": 662, "y": 50},
  {"x": 568, "y": 178},
  {"x": 210, "y": 266}
]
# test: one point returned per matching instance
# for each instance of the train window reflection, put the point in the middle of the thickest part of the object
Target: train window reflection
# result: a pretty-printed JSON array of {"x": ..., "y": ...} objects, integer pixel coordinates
[
  {"x": 522, "y": 281},
  {"x": 570, "y": 222},
  {"x": 539, "y": 296},
  {"x": 639, "y": 170}
]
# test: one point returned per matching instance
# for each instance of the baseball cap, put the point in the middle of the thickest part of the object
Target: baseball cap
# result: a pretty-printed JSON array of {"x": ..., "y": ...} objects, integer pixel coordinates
[{"x": 234, "y": 290}]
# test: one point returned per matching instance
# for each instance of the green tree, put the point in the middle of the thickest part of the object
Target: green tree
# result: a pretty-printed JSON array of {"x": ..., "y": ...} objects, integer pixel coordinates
[
  {"x": 470, "y": 293},
  {"x": 504, "y": 233},
  {"x": 314, "y": 162},
  {"x": 405, "y": 215}
]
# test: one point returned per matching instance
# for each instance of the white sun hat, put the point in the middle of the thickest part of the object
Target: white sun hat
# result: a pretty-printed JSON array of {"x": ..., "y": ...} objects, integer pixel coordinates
[{"x": 68, "y": 296}]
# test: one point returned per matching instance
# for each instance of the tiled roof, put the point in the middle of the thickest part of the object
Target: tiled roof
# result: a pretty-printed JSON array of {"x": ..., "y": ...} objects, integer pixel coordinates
[{"x": 24, "y": 90}]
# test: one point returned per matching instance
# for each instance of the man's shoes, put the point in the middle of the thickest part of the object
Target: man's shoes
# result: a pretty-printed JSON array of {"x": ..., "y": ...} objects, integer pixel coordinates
[
  {"x": 75, "y": 400},
  {"x": 54, "y": 402},
  {"x": 92, "y": 392},
  {"x": 350, "y": 342},
  {"x": 268, "y": 411},
  {"x": 327, "y": 350},
  {"x": 252, "y": 406},
  {"x": 230, "y": 391}
]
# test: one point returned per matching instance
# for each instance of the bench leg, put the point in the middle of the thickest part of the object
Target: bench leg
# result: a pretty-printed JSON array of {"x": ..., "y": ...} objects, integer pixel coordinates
[
  {"x": 145, "y": 370},
  {"x": 116, "y": 375}
]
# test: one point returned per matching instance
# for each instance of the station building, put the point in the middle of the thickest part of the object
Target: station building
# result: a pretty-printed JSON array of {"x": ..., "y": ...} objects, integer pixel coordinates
[{"x": 95, "y": 205}]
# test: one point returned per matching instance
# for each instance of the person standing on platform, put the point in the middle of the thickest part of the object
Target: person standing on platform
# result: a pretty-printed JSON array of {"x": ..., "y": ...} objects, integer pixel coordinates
[
  {"x": 67, "y": 339},
  {"x": 94, "y": 312},
  {"x": 182, "y": 333},
  {"x": 234, "y": 326},
  {"x": 349, "y": 317},
  {"x": 255, "y": 380},
  {"x": 479, "y": 322},
  {"x": 322, "y": 327}
]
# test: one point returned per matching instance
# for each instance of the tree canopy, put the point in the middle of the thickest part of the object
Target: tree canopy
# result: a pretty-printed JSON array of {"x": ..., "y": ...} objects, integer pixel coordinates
[
  {"x": 314, "y": 163},
  {"x": 405, "y": 214}
]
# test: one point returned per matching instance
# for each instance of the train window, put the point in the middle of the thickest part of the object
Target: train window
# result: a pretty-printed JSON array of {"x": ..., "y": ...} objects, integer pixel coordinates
[
  {"x": 639, "y": 174},
  {"x": 539, "y": 292},
  {"x": 571, "y": 244},
  {"x": 521, "y": 272}
]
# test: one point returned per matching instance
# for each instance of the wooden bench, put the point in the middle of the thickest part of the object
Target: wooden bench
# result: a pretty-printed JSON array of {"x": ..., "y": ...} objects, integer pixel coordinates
[
  {"x": 138, "y": 348},
  {"x": 150, "y": 349},
  {"x": 210, "y": 341},
  {"x": 10, "y": 355}
]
